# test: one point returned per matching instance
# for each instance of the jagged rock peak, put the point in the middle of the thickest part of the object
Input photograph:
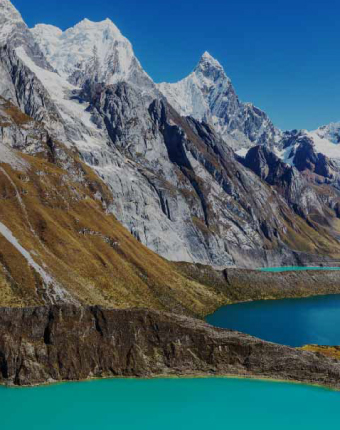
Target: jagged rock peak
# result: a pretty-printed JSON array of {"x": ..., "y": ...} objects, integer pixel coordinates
[
  {"x": 208, "y": 60},
  {"x": 209, "y": 72}
]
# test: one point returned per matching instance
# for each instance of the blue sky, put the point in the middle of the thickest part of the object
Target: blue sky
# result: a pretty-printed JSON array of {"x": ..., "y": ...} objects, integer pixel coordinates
[{"x": 282, "y": 55}]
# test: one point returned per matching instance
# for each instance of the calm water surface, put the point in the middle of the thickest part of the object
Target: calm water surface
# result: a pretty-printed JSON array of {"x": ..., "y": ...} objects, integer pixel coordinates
[
  {"x": 293, "y": 322},
  {"x": 170, "y": 404},
  {"x": 295, "y": 268}
]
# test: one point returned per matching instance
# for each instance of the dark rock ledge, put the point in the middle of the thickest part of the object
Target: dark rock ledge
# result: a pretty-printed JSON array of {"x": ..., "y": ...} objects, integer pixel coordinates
[{"x": 66, "y": 343}]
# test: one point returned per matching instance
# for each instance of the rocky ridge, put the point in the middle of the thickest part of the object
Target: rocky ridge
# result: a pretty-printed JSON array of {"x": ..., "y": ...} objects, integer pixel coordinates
[{"x": 40, "y": 345}]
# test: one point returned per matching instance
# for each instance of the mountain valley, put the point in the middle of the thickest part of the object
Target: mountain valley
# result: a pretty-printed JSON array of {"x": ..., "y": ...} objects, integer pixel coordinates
[{"x": 123, "y": 200}]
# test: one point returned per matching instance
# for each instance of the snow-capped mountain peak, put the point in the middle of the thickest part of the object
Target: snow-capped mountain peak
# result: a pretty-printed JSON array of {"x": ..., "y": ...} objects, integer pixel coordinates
[
  {"x": 190, "y": 96},
  {"x": 209, "y": 72},
  {"x": 90, "y": 50},
  {"x": 209, "y": 64},
  {"x": 208, "y": 94}
]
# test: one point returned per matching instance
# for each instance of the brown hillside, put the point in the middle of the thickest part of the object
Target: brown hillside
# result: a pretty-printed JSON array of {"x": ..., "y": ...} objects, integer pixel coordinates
[{"x": 55, "y": 207}]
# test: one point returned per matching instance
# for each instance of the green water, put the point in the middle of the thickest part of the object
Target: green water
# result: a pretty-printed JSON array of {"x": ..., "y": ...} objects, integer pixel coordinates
[
  {"x": 170, "y": 404},
  {"x": 295, "y": 268}
]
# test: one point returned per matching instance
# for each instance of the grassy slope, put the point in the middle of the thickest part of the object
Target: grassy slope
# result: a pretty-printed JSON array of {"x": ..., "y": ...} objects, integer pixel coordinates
[
  {"x": 77, "y": 240},
  {"x": 328, "y": 351}
]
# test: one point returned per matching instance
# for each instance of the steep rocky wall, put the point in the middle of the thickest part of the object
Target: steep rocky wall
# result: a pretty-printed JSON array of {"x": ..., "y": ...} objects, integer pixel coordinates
[{"x": 47, "y": 344}]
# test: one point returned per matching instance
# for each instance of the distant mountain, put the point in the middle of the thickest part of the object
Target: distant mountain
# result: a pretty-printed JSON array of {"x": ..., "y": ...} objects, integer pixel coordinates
[
  {"x": 207, "y": 94},
  {"x": 316, "y": 152}
]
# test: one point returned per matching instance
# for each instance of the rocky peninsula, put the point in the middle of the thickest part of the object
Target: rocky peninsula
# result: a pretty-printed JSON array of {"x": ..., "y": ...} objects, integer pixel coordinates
[{"x": 71, "y": 343}]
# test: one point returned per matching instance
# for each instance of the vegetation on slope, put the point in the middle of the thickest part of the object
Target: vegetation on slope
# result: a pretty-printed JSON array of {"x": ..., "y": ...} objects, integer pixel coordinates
[{"x": 328, "y": 351}]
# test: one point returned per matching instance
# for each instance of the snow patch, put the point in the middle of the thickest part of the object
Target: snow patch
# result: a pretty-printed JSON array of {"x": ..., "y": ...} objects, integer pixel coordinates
[
  {"x": 61, "y": 92},
  {"x": 286, "y": 155},
  {"x": 242, "y": 152},
  {"x": 324, "y": 145}
]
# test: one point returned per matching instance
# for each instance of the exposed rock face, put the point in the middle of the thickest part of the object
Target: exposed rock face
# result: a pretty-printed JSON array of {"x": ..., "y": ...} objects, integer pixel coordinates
[
  {"x": 176, "y": 185},
  {"x": 239, "y": 285},
  {"x": 185, "y": 176},
  {"x": 14, "y": 32},
  {"x": 293, "y": 186},
  {"x": 306, "y": 158},
  {"x": 21, "y": 87},
  {"x": 315, "y": 154},
  {"x": 60, "y": 243},
  {"x": 39, "y": 345}
]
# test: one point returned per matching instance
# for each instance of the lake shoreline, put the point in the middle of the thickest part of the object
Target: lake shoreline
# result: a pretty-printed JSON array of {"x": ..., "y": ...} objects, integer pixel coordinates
[
  {"x": 179, "y": 377},
  {"x": 247, "y": 285},
  {"x": 69, "y": 343}
]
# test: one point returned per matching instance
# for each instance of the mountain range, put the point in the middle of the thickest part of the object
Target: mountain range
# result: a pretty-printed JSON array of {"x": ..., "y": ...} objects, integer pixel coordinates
[{"x": 104, "y": 169}]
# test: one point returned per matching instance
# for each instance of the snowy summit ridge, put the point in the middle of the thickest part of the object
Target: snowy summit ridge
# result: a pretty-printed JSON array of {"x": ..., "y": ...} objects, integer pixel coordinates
[
  {"x": 96, "y": 50},
  {"x": 188, "y": 95}
]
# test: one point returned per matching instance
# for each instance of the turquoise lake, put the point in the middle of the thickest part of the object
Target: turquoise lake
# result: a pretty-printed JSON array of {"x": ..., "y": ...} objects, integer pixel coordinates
[
  {"x": 170, "y": 404},
  {"x": 295, "y": 268},
  {"x": 293, "y": 322}
]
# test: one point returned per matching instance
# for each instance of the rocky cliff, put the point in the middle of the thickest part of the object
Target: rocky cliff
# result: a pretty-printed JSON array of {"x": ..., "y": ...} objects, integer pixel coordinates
[{"x": 39, "y": 345}]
